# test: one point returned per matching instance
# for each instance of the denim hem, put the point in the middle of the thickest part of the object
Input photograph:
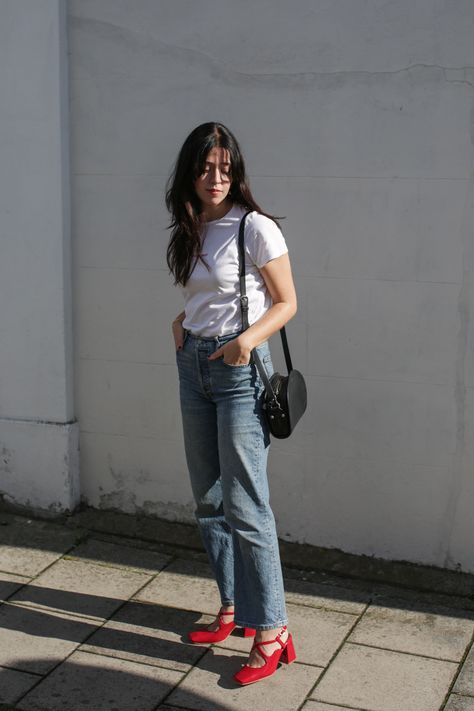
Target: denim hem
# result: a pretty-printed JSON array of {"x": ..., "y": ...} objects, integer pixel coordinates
[{"x": 250, "y": 625}]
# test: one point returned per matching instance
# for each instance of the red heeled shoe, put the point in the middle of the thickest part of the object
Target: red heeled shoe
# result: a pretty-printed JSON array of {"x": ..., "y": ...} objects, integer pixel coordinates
[
  {"x": 225, "y": 628},
  {"x": 249, "y": 675}
]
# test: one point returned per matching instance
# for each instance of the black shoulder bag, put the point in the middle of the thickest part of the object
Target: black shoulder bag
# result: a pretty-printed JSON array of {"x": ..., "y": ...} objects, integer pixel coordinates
[{"x": 285, "y": 396}]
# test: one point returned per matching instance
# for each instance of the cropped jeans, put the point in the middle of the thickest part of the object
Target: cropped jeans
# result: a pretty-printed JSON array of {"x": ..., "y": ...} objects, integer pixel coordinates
[{"x": 226, "y": 442}]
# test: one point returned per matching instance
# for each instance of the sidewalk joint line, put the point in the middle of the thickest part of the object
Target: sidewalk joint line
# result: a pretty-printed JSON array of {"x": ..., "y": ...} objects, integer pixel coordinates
[
  {"x": 463, "y": 693},
  {"x": 9, "y": 572},
  {"x": 467, "y": 651},
  {"x": 336, "y": 652},
  {"x": 114, "y": 566},
  {"x": 104, "y": 653},
  {"x": 78, "y": 645},
  {"x": 23, "y": 671},
  {"x": 164, "y": 700},
  {"x": 330, "y": 703},
  {"x": 402, "y": 651},
  {"x": 324, "y": 608}
]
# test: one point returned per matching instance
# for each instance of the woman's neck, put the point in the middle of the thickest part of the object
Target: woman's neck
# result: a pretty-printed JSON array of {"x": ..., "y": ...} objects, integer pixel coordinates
[{"x": 211, "y": 213}]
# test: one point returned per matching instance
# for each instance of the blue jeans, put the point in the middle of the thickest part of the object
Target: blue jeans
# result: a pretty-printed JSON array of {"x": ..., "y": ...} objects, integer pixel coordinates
[{"x": 226, "y": 443}]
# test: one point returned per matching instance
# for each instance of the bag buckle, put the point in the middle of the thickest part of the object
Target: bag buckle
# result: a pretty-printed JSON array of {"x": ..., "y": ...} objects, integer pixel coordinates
[{"x": 274, "y": 407}]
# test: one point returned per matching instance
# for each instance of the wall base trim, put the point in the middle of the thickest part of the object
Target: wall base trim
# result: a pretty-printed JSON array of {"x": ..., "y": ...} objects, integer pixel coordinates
[{"x": 39, "y": 465}]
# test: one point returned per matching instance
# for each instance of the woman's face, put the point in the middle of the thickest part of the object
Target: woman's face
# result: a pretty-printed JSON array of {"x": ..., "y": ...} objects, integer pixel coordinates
[{"x": 212, "y": 187}]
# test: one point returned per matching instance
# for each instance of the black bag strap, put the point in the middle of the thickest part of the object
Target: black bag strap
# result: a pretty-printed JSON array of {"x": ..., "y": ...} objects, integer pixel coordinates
[
  {"x": 244, "y": 307},
  {"x": 244, "y": 301}
]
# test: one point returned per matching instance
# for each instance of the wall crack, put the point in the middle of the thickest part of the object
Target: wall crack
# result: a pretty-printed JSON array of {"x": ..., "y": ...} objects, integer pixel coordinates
[{"x": 125, "y": 34}]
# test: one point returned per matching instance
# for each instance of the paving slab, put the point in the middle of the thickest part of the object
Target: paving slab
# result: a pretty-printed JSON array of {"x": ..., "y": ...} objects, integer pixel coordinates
[
  {"x": 209, "y": 686},
  {"x": 371, "y": 569},
  {"x": 98, "y": 682},
  {"x": 378, "y": 679},
  {"x": 351, "y": 568},
  {"x": 27, "y": 546},
  {"x": 319, "y": 706},
  {"x": 36, "y": 640},
  {"x": 460, "y": 703},
  {"x": 373, "y": 591},
  {"x": 26, "y": 561},
  {"x": 185, "y": 584},
  {"x": 145, "y": 528},
  {"x": 433, "y": 631},
  {"x": 144, "y": 632},
  {"x": 399, "y": 650},
  {"x": 317, "y": 633},
  {"x": 9, "y": 584},
  {"x": 14, "y": 684},
  {"x": 119, "y": 555},
  {"x": 81, "y": 588},
  {"x": 330, "y": 597},
  {"x": 465, "y": 681}
]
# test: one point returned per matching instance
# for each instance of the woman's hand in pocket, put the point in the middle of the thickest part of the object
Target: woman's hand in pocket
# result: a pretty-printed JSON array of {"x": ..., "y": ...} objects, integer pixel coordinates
[
  {"x": 235, "y": 352},
  {"x": 178, "y": 333}
]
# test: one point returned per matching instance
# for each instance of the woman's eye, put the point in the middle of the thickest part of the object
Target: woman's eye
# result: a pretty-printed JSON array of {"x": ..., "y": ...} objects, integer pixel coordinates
[{"x": 223, "y": 171}]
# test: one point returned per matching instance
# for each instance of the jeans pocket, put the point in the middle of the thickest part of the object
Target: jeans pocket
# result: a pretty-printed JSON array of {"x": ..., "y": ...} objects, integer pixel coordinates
[
  {"x": 263, "y": 351},
  {"x": 235, "y": 366},
  {"x": 266, "y": 358}
]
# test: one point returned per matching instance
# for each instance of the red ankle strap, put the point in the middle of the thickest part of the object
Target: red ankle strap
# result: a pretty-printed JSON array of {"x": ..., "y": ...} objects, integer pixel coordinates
[
  {"x": 224, "y": 613},
  {"x": 271, "y": 641}
]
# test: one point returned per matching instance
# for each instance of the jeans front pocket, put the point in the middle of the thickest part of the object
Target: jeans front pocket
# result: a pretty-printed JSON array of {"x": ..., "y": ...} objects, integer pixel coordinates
[{"x": 231, "y": 365}]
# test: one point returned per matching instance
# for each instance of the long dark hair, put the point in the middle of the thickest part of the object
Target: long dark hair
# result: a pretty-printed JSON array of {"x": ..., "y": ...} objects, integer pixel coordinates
[{"x": 184, "y": 205}]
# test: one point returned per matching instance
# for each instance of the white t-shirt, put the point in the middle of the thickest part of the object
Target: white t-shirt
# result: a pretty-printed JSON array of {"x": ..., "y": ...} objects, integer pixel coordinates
[{"x": 211, "y": 296}]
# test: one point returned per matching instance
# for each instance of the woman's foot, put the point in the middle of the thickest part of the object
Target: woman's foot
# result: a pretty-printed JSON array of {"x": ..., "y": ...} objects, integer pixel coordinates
[
  {"x": 225, "y": 615},
  {"x": 218, "y": 630},
  {"x": 269, "y": 647},
  {"x": 255, "y": 658}
]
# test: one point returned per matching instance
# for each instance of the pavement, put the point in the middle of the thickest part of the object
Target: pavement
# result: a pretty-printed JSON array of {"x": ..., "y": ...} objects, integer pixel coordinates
[{"x": 94, "y": 617}]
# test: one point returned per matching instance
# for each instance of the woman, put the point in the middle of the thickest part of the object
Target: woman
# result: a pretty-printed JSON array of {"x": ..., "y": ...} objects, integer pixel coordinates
[{"x": 225, "y": 434}]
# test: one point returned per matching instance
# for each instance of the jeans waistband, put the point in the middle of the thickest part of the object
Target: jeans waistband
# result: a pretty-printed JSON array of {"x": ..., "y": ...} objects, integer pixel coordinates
[{"x": 212, "y": 339}]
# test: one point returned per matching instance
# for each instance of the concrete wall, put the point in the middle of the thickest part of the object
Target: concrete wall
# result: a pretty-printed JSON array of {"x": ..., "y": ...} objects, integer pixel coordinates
[
  {"x": 39, "y": 464},
  {"x": 356, "y": 119}
]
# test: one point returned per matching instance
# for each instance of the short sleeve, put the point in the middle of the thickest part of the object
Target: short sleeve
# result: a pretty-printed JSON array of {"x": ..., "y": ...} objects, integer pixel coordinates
[{"x": 263, "y": 240}]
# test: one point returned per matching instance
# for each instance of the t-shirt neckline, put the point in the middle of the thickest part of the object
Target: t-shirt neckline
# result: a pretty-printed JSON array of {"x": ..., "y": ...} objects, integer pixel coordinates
[{"x": 227, "y": 214}]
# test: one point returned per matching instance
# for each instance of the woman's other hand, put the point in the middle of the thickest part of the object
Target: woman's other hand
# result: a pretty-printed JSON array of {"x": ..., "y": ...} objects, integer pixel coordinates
[{"x": 178, "y": 331}]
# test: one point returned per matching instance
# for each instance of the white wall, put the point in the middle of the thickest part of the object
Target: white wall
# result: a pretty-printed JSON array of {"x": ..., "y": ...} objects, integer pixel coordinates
[
  {"x": 356, "y": 118},
  {"x": 39, "y": 465}
]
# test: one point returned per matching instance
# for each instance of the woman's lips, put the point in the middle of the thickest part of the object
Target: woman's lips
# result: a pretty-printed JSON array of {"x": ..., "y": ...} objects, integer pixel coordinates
[{"x": 214, "y": 192}]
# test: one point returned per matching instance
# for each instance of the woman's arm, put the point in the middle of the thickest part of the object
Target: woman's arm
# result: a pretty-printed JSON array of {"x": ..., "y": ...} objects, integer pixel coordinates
[
  {"x": 178, "y": 330},
  {"x": 279, "y": 282}
]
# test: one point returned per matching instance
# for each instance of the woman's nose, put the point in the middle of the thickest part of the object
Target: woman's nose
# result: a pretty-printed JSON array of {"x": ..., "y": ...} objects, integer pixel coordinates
[{"x": 215, "y": 175}]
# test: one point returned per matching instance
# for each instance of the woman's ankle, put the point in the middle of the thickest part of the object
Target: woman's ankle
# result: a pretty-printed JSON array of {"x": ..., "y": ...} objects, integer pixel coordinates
[{"x": 271, "y": 634}]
